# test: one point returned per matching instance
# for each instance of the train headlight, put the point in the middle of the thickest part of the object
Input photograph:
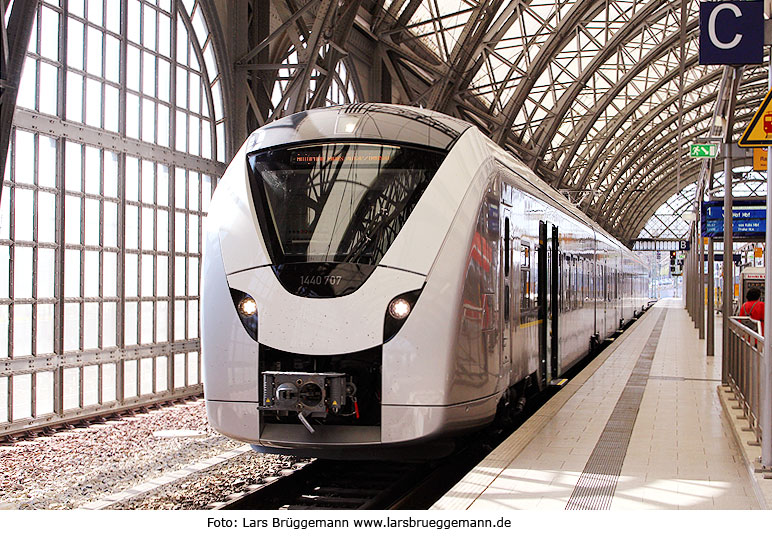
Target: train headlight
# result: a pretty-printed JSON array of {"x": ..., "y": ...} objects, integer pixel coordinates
[
  {"x": 397, "y": 313},
  {"x": 399, "y": 308},
  {"x": 247, "y": 307}
]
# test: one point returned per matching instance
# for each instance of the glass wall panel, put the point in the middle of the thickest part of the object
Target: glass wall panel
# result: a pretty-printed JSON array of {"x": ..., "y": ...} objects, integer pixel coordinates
[
  {"x": 44, "y": 401},
  {"x": 92, "y": 255},
  {"x": 22, "y": 396},
  {"x": 4, "y": 382}
]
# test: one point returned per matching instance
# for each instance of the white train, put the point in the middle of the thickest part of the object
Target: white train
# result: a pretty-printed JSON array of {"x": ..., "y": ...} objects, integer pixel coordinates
[{"x": 380, "y": 278}]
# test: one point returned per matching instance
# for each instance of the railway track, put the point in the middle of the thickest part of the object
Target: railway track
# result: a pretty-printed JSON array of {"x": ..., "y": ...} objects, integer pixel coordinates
[
  {"x": 370, "y": 485},
  {"x": 330, "y": 485}
]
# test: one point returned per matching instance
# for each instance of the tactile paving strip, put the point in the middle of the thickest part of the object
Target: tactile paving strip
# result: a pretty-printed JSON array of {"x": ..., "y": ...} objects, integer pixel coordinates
[{"x": 598, "y": 481}]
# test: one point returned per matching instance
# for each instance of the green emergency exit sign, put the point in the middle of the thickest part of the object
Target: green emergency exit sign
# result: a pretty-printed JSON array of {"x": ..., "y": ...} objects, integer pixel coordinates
[{"x": 703, "y": 151}]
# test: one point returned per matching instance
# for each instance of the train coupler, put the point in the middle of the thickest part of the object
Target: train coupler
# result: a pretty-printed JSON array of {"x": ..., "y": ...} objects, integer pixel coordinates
[{"x": 310, "y": 395}]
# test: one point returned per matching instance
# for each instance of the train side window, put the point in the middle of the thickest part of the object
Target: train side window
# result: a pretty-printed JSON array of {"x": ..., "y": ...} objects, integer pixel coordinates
[
  {"x": 571, "y": 282},
  {"x": 566, "y": 284},
  {"x": 561, "y": 282},
  {"x": 506, "y": 247},
  {"x": 603, "y": 284},
  {"x": 574, "y": 280},
  {"x": 572, "y": 276},
  {"x": 525, "y": 281},
  {"x": 616, "y": 283},
  {"x": 614, "y": 280}
]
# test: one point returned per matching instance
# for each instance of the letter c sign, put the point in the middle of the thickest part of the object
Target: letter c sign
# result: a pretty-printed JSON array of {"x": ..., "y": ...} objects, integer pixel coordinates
[
  {"x": 731, "y": 33},
  {"x": 714, "y": 40}
]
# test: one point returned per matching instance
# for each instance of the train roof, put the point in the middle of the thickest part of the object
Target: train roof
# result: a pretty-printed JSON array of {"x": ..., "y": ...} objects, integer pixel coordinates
[{"x": 364, "y": 121}]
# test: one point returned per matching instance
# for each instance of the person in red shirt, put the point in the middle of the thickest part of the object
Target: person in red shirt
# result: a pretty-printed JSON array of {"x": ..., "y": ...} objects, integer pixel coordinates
[{"x": 753, "y": 307}]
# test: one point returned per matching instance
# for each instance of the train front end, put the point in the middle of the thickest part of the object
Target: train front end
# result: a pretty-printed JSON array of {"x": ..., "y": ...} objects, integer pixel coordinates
[{"x": 318, "y": 244}]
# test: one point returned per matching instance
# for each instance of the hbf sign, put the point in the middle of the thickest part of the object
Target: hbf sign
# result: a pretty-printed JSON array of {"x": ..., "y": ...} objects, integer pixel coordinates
[{"x": 731, "y": 33}]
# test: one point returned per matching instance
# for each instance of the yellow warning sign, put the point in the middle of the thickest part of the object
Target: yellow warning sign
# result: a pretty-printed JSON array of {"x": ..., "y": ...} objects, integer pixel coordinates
[
  {"x": 759, "y": 131},
  {"x": 760, "y": 159}
]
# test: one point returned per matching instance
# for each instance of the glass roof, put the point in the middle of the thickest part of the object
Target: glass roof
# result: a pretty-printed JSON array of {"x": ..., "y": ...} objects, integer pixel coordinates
[{"x": 586, "y": 92}]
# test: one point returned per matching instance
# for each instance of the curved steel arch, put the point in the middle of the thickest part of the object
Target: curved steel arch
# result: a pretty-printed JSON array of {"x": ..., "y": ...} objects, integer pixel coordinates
[
  {"x": 670, "y": 160},
  {"x": 635, "y": 225},
  {"x": 612, "y": 218},
  {"x": 701, "y": 102},
  {"x": 640, "y": 174},
  {"x": 513, "y": 67},
  {"x": 650, "y": 135},
  {"x": 601, "y": 107},
  {"x": 654, "y": 137},
  {"x": 642, "y": 18},
  {"x": 648, "y": 209},
  {"x": 620, "y": 119},
  {"x": 464, "y": 53},
  {"x": 546, "y": 54}
]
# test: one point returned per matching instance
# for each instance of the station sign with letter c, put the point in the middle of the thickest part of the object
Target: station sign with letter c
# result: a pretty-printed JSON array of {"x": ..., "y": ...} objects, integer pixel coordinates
[{"x": 731, "y": 33}]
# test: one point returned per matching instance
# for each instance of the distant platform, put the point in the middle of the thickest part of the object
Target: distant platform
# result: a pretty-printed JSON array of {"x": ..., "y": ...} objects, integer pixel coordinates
[{"x": 642, "y": 427}]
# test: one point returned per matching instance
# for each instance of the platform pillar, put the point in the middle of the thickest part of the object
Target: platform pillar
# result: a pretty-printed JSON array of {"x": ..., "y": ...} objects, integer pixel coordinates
[
  {"x": 728, "y": 246},
  {"x": 700, "y": 255},
  {"x": 766, "y": 367},
  {"x": 710, "y": 344}
]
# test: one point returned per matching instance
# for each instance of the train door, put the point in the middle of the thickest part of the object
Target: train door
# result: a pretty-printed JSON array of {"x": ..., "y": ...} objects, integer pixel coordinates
[
  {"x": 548, "y": 301},
  {"x": 554, "y": 301},
  {"x": 507, "y": 287},
  {"x": 542, "y": 302},
  {"x": 593, "y": 290},
  {"x": 604, "y": 299}
]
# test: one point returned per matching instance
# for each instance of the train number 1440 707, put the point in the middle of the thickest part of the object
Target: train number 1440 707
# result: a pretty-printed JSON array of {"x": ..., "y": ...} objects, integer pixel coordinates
[{"x": 318, "y": 279}]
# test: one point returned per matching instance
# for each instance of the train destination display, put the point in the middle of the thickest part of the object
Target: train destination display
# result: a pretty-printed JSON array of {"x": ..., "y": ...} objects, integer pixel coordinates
[{"x": 749, "y": 219}]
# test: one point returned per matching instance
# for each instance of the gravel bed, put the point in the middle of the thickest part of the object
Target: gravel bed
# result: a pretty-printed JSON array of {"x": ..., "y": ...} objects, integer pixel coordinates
[
  {"x": 71, "y": 468},
  {"x": 198, "y": 491}
]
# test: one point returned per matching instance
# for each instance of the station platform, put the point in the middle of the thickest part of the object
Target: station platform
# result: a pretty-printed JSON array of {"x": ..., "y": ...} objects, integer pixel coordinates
[{"x": 641, "y": 427}]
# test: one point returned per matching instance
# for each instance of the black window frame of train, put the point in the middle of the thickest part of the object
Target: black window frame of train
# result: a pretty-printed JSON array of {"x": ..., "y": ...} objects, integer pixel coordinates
[{"x": 285, "y": 180}]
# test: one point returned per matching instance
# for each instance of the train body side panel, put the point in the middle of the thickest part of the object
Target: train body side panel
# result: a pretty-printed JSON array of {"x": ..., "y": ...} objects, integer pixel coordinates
[
  {"x": 420, "y": 362},
  {"x": 576, "y": 314},
  {"x": 229, "y": 354},
  {"x": 233, "y": 217}
]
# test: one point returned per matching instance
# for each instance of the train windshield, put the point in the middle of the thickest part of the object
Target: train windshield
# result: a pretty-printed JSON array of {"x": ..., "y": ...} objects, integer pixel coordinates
[{"x": 337, "y": 202}]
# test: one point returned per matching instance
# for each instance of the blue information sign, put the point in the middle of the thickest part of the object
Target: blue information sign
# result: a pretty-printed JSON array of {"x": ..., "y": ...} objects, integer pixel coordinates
[
  {"x": 731, "y": 33},
  {"x": 749, "y": 219}
]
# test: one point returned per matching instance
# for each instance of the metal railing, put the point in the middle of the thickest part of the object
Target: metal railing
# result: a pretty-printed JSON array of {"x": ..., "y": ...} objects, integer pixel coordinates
[{"x": 743, "y": 370}]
